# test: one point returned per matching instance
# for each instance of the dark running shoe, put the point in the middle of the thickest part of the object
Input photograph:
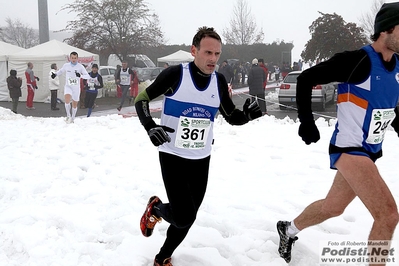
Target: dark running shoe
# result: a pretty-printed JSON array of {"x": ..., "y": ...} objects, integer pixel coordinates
[
  {"x": 149, "y": 220},
  {"x": 119, "y": 108},
  {"x": 166, "y": 262},
  {"x": 286, "y": 242}
]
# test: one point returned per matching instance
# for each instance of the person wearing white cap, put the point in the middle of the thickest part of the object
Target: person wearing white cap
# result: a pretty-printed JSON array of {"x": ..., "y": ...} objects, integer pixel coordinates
[
  {"x": 256, "y": 77},
  {"x": 368, "y": 93}
]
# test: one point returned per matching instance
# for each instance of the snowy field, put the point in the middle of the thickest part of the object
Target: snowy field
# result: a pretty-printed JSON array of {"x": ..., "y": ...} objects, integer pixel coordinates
[{"x": 73, "y": 194}]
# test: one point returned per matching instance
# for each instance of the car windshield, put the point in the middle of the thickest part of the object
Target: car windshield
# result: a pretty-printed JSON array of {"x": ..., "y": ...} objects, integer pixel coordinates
[
  {"x": 291, "y": 78},
  {"x": 103, "y": 72},
  {"x": 144, "y": 71}
]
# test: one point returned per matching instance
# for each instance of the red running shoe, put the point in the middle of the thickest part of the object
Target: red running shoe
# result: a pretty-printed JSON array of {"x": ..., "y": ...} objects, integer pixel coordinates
[
  {"x": 166, "y": 262},
  {"x": 149, "y": 220}
]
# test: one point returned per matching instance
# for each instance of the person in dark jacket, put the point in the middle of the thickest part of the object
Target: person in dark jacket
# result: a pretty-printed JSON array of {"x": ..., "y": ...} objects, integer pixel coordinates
[
  {"x": 14, "y": 84},
  {"x": 227, "y": 71},
  {"x": 91, "y": 87},
  {"x": 256, "y": 78}
]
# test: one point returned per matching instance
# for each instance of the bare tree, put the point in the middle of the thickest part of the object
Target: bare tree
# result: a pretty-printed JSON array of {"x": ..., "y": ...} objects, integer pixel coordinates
[
  {"x": 18, "y": 34},
  {"x": 243, "y": 28},
  {"x": 113, "y": 27},
  {"x": 367, "y": 19}
]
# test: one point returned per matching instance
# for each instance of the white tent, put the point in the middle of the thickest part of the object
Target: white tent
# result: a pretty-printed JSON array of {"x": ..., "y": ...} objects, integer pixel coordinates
[
  {"x": 176, "y": 58},
  {"x": 5, "y": 50},
  {"x": 42, "y": 56}
]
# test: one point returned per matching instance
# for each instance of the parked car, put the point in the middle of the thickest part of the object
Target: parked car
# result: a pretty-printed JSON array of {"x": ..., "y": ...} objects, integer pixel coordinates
[
  {"x": 148, "y": 73},
  {"x": 321, "y": 94},
  {"x": 108, "y": 74},
  {"x": 133, "y": 60}
]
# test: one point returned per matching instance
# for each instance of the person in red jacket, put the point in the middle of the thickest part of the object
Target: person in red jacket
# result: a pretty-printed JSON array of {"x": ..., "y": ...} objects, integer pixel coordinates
[
  {"x": 134, "y": 87},
  {"x": 263, "y": 66},
  {"x": 31, "y": 86}
]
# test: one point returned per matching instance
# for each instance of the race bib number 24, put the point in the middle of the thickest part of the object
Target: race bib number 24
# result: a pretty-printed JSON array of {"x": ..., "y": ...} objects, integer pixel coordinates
[{"x": 380, "y": 120}]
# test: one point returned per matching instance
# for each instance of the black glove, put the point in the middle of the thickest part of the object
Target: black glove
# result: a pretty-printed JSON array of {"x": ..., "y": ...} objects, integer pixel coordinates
[
  {"x": 37, "y": 78},
  {"x": 395, "y": 122},
  {"x": 77, "y": 74},
  {"x": 36, "y": 87},
  {"x": 308, "y": 130},
  {"x": 251, "y": 110},
  {"x": 158, "y": 135},
  {"x": 53, "y": 75}
]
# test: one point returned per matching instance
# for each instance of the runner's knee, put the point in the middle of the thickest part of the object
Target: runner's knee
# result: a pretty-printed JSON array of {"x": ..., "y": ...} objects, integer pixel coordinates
[
  {"x": 389, "y": 221},
  {"x": 184, "y": 221}
]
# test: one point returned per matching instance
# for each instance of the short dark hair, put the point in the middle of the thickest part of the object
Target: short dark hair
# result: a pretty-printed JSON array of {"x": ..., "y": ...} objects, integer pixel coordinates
[
  {"x": 74, "y": 53},
  {"x": 53, "y": 65},
  {"x": 374, "y": 37},
  {"x": 204, "y": 32}
]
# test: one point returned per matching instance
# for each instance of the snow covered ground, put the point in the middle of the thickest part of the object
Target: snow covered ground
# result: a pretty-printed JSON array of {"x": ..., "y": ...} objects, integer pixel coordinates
[{"x": 73, "y": 194}]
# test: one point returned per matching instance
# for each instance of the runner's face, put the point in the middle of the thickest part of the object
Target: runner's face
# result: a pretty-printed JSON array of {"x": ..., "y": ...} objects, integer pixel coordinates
[
  {"x": 74, "y": 59},
  {"x": 392, "y": 41},
  {"x": 208, "y": 54}
]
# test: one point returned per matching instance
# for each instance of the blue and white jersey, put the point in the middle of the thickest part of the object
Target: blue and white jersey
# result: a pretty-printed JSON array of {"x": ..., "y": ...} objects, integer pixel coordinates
[
  {"x": 365, "y": 110},
  {"x": 91, "y": 83},
  {"x": 191, "y": 112}
]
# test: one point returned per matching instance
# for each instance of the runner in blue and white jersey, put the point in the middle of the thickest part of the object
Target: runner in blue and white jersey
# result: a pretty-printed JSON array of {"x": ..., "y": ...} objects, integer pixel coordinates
[
  {"x": 193, "y": 94},
  {"x": 367, "y": 97}
]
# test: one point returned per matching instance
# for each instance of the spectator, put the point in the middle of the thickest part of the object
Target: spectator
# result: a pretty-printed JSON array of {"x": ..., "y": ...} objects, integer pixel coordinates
[
  {"x": 53, "y": 85},
  {"x": 31, "y": 86},
  {"x": 227, "y": 71},
  {"x": 300, "y": 64},
  {"x": 271, "y": 71},
  {"x": 263, "y": 66},
  {"x": 82, "y": 95},
  {"x": 285, "y": 70},
  {"x": 256, "y": 78},
  {"x": 134, "y": 88},
  {"x": 236, "y": 71},
  {"x": 243, "y": 73},
  {"x": 14, "y": 84},
  {"x": 277, "y": 73}
]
